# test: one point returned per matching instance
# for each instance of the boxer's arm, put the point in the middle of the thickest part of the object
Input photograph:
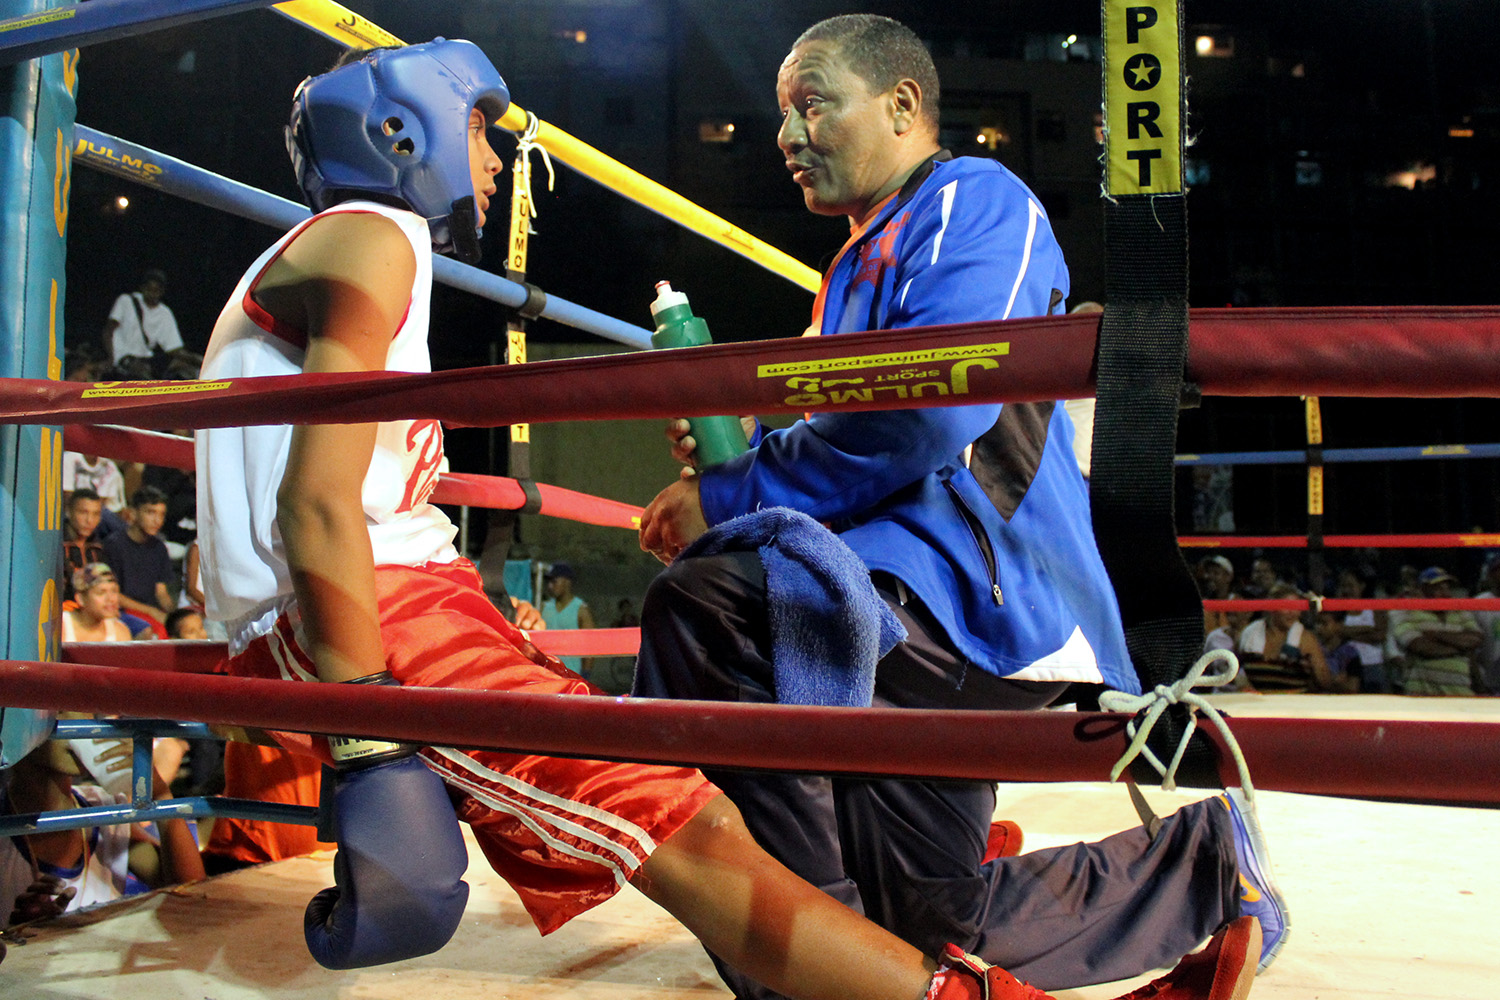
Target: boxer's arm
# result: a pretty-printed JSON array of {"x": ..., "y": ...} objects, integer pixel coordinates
[
  {"x": 399, "y": 891},
  {"x": 350, "y": 305}
]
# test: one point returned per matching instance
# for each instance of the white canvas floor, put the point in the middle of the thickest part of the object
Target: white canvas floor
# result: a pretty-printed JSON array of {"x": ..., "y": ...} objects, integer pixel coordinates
[{"x": 1387, "y": 901}]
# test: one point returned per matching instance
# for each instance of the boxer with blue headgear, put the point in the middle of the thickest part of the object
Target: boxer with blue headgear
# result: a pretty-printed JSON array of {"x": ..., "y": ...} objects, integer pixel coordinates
[
  {"x": 392, "y": 150},
  {"x": 390, "y": 127}
]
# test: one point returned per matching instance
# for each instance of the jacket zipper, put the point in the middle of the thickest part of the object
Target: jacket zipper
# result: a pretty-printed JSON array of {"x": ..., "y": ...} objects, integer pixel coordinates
[{"x": 976, "y": 532}]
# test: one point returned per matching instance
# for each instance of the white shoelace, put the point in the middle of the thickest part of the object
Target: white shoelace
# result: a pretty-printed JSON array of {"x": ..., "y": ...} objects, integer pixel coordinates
[{"x": 1155, "y": 702}]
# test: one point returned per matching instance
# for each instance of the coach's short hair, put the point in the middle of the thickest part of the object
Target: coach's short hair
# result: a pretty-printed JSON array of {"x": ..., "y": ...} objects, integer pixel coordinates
[{"x": 883, "y": 52}]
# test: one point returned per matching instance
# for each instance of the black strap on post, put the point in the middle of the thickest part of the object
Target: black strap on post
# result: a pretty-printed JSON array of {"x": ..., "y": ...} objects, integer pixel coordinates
[
  {"x": 533, "y": 503},
  {"x": 536, "y": 299},
  {"x": 1142, "y": 355}
]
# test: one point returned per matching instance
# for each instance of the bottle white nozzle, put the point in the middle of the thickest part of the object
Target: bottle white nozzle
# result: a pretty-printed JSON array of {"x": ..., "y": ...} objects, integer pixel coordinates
[{"x": 667, "y": 297}]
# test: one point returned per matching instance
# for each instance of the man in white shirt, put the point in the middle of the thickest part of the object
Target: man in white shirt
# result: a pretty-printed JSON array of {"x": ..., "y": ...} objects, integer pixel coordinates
[
  {"x": 140, "y": 323},
  {"x": 102, "y": 475}
]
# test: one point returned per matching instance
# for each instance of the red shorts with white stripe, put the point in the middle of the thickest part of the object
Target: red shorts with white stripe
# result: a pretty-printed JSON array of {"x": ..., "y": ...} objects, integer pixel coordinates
[{"x": 566, "y": 834}]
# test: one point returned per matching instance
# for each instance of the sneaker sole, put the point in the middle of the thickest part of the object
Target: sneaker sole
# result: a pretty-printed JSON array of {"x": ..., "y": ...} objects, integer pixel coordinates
[
  {"x": 1250, "y": 820},
  {"x": 1233, "y": 983}
]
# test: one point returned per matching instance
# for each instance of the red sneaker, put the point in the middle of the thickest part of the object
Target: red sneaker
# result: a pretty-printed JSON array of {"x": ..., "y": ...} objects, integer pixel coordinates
[
  {"x": 1223, "y": 970},
  {"x": 961, "y": 976},
  {"x": 1005, "y": 840}
]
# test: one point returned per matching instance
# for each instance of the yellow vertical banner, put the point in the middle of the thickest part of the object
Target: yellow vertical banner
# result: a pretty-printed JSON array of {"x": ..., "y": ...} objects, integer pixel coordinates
[
  {"x": 515, "y": 263},
  {"x": 515, "y": 354},
  {"x": 1142, "y": 97},
  {"x": 520, "y": 218},
  {"x": 1314, "y": 470},
  {"x": 1314, "y": 419}
]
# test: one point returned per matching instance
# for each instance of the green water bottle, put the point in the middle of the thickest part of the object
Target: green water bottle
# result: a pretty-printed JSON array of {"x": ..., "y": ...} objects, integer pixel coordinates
[{"x": 719, "y": 438}]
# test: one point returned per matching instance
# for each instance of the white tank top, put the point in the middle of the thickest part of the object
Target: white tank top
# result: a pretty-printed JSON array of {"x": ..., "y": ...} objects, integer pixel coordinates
[
  {"x": 114, "y": 629},
  {"x": 244, "y": 572}
]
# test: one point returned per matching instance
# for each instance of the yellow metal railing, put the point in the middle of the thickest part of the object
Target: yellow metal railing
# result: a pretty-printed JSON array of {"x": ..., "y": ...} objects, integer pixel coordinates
[{"x": 342, "y": 25}]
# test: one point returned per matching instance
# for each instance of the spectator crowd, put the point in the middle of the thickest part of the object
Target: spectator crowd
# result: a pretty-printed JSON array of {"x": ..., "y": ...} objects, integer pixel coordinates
[{"x": 1441, "y": 651}]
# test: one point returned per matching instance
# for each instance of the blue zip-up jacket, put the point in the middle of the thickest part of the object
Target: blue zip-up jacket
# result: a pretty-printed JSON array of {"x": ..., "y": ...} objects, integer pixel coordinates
[{"x": 1004, "y": 559}]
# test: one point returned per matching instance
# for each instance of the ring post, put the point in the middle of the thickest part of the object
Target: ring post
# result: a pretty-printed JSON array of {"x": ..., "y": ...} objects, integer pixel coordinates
[{"x": 36, "y": 136}]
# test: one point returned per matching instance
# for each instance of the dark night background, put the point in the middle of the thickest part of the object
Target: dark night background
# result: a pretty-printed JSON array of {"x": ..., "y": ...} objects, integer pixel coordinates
[{"x": 1343, "y": 154}]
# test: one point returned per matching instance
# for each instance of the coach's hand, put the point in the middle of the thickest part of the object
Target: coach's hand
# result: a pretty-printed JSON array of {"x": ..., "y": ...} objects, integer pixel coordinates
[{"x": 673, "y": 521}]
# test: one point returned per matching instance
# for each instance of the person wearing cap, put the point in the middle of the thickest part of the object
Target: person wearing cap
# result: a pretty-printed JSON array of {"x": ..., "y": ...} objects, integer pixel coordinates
[
  {"x": 1215, "y": 578},
  {"x": 97, "y": 618},
  {"x": 1439, "y": 645},
  {"x": 564, "y": 609}
]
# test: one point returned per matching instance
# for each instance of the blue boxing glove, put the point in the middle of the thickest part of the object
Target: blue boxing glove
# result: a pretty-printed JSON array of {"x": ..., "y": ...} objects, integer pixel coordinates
[{"x": 399, "y": 889}]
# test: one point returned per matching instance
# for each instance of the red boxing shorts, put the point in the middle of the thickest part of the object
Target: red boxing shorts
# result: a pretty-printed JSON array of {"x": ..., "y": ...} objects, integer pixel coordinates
[{"x": 566, "y": 834}]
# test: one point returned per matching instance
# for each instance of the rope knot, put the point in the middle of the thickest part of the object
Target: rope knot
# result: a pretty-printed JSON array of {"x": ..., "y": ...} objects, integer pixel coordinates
[
  {"x": 1167, "y": 693},
  {"x": 525, "y": 143},
  {"x": 1181, "y": 692}
]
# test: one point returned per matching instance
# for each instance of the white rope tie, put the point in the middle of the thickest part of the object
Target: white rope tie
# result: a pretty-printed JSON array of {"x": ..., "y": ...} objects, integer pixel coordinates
[
  {"x": 1181, "y": 693},
  {"x": 525, "y": 143}
]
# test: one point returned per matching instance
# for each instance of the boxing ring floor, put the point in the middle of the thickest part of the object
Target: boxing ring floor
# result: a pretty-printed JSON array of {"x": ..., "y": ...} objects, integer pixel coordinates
[{"x": 1387, "y": 901}]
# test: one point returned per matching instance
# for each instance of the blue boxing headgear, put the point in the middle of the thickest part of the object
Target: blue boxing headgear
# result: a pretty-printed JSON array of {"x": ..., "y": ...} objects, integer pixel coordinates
[{"x": 393, "y": 127}]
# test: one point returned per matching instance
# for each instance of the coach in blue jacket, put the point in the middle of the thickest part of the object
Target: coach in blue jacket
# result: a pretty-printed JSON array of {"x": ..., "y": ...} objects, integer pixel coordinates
[{"x": 974, "y": 524}]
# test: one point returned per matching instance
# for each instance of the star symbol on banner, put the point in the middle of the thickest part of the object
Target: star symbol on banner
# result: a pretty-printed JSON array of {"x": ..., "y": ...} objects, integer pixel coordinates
[{"x": 1142, "y": 71}]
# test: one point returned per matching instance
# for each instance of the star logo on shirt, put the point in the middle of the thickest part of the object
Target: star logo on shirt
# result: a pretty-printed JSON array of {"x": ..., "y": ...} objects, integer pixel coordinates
[{"x": 879, "y": 252}]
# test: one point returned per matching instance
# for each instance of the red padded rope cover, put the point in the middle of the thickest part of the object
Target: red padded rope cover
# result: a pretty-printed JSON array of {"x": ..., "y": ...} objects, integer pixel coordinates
[
  {"x": 1356, "y": 604},
  {"x": 1355, "y": 351},
  {"x": 1431, "y": 351},
  {"x": 1435, "y": 761},
  {"x": 494, "y": 492},
  {"x": 506, "y": 494},
  {"x": 208, "y": 657},
  {"x": 1434, "y": 541}
]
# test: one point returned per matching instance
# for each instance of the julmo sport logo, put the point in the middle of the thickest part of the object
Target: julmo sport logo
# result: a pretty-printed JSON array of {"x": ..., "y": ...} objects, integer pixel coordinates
[
  {"x": 100, "y": 390},
  {"x": 121, "y": 163},
  {"x": 940, "y": 371}
]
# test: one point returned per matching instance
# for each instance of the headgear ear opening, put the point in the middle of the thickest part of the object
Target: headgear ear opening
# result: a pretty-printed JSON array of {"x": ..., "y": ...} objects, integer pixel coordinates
[{"x": 393, "y": 127}]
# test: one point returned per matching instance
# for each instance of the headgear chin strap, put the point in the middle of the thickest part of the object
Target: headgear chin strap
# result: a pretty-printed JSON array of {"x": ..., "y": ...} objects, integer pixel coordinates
[{"x": 393, "y": 127}]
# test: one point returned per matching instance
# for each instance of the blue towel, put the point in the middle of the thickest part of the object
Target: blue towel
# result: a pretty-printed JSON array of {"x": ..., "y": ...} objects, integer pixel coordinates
[{"x": 828, "y": 625}]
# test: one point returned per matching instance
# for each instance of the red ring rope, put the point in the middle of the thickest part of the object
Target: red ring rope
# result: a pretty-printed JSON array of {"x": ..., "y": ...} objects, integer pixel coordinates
[
  {"x": 1432, "y": 761},
  {"x": 209, "y": 657},
  {"x": 1390, "y": 351},
  {"x": 463, "y": 489},
  {"x": 1434, "y": 541},
  {"x": 1356, "y": 604}
]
